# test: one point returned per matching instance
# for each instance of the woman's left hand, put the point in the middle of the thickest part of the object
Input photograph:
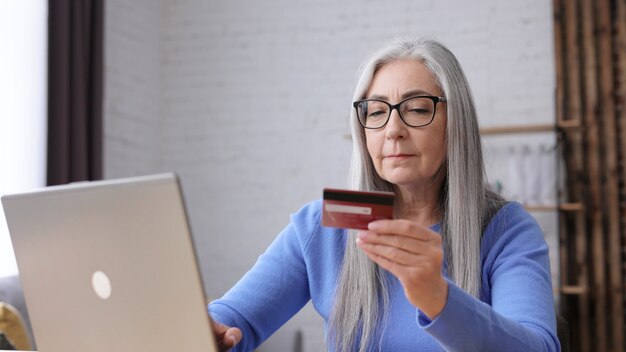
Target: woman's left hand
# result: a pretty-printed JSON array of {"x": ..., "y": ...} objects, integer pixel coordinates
[{"x": 414, "y": 254}]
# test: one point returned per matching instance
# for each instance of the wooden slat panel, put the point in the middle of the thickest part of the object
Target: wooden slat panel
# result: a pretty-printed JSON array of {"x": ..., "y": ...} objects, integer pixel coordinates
[
  {"x": 610, "y": 190},
  {"x": 572, "y": 64},
  {"x": 564, "y": 257},
  {"x": 559, "y": 56},
  {"x": 565, "y": 246},
  {"x": 557, "y": 8},
  {"x": 584, "y": 316},
  {"x": 591, "y": 93},
  {"x": 620, "y": 52},
  {"x": 569, "y": 111},
  {"x": 592, "y": 128},
  {"x": 573, "y": 112}
]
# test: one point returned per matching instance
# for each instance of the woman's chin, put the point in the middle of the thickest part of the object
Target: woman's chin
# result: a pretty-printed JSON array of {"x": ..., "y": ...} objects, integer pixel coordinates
[
  {"x": 408, "y": 179},
  {"x": 404, "y": 181}
]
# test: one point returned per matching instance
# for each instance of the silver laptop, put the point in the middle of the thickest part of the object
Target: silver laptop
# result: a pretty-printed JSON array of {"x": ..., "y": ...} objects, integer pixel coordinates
[{"x": 109, "y": 266}]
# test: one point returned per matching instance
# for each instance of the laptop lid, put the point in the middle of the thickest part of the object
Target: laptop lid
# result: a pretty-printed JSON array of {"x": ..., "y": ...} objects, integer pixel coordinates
[{"x": 109, "y": 266}]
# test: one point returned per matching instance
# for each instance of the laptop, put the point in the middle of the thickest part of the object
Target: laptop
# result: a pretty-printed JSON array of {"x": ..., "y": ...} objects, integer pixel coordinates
[{"x": 109, "y": 266}]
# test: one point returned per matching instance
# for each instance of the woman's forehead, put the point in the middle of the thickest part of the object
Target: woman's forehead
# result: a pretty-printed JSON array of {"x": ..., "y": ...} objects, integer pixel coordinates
[{"x": 402, "y": 77}]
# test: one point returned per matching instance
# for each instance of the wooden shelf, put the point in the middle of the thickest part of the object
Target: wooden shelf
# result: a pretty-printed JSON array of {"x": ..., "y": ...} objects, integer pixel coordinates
[
  {"x": 516, "y": 129},
  {"x": 573, "y": 290},
  {"x": 569, "y": 125},
  {"x": 560, "y": 207}
]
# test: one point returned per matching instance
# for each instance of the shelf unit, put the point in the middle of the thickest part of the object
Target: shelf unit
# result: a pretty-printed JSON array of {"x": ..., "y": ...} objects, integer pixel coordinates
[{"x": 565, "y": 286}]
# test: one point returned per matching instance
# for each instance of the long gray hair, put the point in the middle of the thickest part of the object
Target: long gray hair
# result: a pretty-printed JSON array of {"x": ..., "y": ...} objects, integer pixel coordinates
[{"x": 466, "y": 203}]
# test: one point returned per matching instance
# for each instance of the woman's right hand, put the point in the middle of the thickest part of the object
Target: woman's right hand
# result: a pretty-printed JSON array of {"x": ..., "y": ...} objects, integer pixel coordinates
[{"x": 226, "y": 337}]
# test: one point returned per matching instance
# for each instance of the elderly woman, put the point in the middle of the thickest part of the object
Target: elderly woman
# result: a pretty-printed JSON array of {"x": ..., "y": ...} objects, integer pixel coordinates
[{"x": 457, "y": 269}]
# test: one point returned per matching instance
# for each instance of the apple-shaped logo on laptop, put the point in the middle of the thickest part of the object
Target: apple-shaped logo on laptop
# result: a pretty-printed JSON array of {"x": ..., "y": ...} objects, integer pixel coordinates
[{"x": 101, "y": 284}]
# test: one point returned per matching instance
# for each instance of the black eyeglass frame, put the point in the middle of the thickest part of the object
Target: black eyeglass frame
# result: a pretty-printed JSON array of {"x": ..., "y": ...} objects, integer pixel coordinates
[{"x": 435, "y": 100}]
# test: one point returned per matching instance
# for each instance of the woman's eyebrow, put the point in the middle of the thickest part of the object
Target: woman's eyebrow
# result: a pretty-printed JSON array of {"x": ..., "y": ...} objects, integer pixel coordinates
[
  {"x": 407, "y": 94},
  {"x": 414, "y": 92}
]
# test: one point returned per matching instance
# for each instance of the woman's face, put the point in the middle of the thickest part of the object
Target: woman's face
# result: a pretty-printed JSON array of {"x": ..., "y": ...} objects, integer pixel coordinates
[{"x": 404, "y": 155}]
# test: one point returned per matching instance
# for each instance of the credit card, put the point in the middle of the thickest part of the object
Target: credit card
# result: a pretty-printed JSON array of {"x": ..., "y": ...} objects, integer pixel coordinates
[{"x": 355, "y": 209}]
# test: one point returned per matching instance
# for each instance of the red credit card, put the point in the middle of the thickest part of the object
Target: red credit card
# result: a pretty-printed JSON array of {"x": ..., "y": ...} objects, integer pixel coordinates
[{"x": 355, "y": 209}]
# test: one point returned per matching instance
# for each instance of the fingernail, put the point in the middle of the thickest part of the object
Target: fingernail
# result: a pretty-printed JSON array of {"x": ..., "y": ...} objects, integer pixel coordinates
[{"x": 373, "y": 225}]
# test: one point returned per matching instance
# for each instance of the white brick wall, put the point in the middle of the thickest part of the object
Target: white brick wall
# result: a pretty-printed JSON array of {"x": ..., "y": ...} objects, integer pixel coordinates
[
  {"x": 248, "y": 102},
  {"x": 132, "y": 104}
]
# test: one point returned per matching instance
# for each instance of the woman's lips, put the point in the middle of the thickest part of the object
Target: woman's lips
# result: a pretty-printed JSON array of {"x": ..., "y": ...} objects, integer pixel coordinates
[{"x": 398, "y": 156}]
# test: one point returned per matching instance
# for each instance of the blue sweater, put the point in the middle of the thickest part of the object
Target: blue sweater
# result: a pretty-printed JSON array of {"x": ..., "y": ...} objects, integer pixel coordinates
[{"x": 515, "y": 311}]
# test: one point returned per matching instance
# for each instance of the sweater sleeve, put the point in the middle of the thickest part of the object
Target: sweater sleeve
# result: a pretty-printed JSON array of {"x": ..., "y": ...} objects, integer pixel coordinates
[
  {"x": 269, "y": 294},
  {"x": 516, "y": 282}
]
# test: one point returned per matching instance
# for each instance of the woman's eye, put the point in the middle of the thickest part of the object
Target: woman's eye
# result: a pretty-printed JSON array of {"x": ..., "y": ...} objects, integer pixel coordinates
[
  {"x": 419, "y": 111},
  {"x": 376, "y": 113}
]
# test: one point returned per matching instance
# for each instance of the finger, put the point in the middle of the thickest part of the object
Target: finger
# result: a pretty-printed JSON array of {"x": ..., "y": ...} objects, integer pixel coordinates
[
  {"x": 401, "y": 271},
  {"x": 233, "y": 336},
  {"x": 402, "y": 227},
  {"x": 218, "y": 328},
  {"x": 226, "y": 337},
  {"x": 390, "y": 253},
  {"x": 392, "y": 267},
  {"x": 402, "y": 257},
  {"x": 411, "y": 245}
]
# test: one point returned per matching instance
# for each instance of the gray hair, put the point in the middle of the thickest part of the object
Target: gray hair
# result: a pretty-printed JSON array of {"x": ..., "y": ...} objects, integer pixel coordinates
[{"x": 361, "y": 296}]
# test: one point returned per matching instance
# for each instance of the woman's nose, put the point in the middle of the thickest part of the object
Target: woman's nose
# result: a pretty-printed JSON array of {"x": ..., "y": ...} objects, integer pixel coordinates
[{"x": 395, "y": 128}]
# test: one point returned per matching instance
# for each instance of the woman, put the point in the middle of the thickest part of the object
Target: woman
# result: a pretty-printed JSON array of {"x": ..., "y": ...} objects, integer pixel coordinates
[{"x": 457, "y": 269}]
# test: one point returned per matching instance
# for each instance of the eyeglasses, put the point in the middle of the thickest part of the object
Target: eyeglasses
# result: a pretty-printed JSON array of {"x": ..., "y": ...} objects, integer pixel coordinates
[{"x": 416, "y": 111}]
